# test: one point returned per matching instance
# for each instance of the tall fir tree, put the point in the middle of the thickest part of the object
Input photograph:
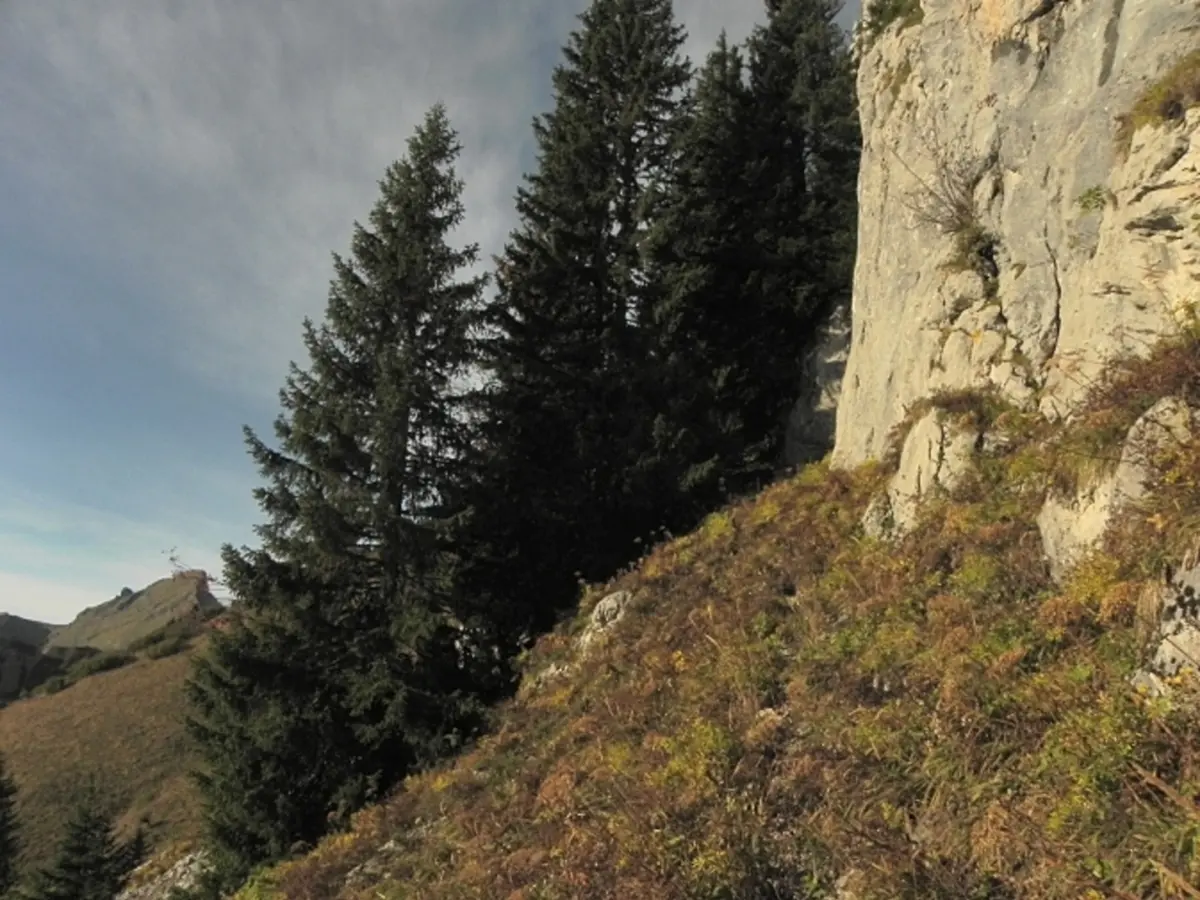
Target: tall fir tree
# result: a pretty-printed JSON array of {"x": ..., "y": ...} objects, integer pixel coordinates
[
  {"x": 568, "y": 410},
  {"x": 756, "y": 245},
  {"x": 804, "y": 182},
  {"x": 341, "y": 673},
  {"x": 10, "y": 838},
  {"x": 706, "y": 253},
  {"x": 90, "y": 863}
]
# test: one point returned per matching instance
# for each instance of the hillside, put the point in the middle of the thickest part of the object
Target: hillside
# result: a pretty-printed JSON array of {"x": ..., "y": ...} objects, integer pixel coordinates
[
  {"x": 24, "y": 631},
  {"x": 134, "y": 615},
  {"x": 21, "y": 643},
  {"x": 36, "y": 657},
  {"x": 779, "y": 705},
  {"x": 124, "y": 727}
]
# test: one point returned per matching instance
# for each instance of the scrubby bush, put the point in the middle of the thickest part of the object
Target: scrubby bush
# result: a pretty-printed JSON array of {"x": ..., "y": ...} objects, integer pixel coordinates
[
  {"x": 880, "y": 14},
  {"x": 1167, "y": 100}
]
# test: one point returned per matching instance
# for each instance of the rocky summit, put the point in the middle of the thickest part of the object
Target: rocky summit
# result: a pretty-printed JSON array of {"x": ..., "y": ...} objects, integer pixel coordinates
[{"x": 34, "y": 654}]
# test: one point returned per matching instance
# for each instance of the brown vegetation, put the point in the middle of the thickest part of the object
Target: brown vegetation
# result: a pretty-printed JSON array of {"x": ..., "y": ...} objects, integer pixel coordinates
[
  {"x": 124, "y": 727},
  {"x": 788, "y": 703}
]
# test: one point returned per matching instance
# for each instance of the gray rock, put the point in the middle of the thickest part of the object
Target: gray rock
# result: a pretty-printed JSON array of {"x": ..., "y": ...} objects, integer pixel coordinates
[
  {"x": 606, "y": 614},
  {"x": 1176, "y": 631},
  {"x": 1072, "y": 527},
  {"x": 935, "y": 456},
  {"x": 1095, "y": 255},
  {"x": 183, "y": 874}
]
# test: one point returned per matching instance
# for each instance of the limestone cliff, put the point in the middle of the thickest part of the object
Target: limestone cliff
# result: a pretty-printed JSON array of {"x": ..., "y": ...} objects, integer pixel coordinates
[{"x": 1029, "y": 194}]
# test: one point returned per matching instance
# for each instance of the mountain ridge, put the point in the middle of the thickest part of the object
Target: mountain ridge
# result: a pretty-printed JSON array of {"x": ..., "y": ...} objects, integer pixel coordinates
[{"x": 33, "y": 653}]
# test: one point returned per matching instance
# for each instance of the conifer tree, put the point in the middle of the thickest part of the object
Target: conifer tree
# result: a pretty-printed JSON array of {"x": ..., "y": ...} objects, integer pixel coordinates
[
  {"x": 10, "y": 843},
  {"x": 804, "y": 183},
  {"x": 706, "y": 250},
  {"x": 756, "y": 244},
  {"x": 90, "y": 864},
  {"x": 569, "y": 408},
  {"x": 341, "y": 672}
]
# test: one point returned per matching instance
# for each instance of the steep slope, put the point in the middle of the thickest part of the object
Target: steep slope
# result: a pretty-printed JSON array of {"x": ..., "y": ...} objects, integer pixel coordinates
[
  {"x": 134, "y": 615},
  {"x": 125, "y": 728},
  {"x": 780, "y": 706}
]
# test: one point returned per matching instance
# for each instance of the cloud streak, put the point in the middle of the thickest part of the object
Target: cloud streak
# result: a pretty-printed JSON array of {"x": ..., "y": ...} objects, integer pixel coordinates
[{"x": 176, "y": 174}]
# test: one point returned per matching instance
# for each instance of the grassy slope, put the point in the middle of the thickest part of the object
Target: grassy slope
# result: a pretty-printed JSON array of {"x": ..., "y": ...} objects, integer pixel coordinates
[
  {"x": 788, "y": 703},
  {"x": 124, "y": 726},
  {"x": 116, "y": 624}
]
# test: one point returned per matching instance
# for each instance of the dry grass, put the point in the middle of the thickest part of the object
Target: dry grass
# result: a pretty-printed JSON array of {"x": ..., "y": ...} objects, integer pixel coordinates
[
  {"x": 124, "y": 727},
  {"x": 787, "y": 703},
  {"x": 1167, "y": 100}
]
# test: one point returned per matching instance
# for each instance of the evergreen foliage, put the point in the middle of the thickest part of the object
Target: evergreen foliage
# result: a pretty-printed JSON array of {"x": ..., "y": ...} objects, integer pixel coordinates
[
  {"x": 10, "y": 842},
  {"x": 568, "y": 484},
  {"x": 449, "y": 466},
  {"x": 342, "y": 671},
  {"x": 90, "y": 863},
  {"x": 757, "y": 243}
]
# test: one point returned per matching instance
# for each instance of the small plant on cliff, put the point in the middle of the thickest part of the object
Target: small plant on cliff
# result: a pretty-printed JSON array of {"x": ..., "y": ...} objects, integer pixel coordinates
[
  {"x": 947, "y": 202},
  {"x": 1167, "y": 100},
  {"x": 1093, "y": 199},
  {"x": 882, "y": 13}
]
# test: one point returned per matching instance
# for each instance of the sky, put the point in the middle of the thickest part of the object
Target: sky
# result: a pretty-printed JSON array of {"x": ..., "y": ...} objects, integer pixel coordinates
[{"x": 174, "y": 176}]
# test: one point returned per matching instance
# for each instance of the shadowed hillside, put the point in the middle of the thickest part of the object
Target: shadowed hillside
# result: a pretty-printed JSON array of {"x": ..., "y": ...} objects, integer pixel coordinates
[{"x": 126, "y": 728}]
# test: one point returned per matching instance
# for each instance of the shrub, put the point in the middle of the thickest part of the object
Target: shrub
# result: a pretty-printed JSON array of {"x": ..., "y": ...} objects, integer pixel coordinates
[
  {"x": 1167, "y": 100},
  {"x": 880, "y": 14},
  {"x": 101, "y": 662},
  {"x": 167, "y": 646}
]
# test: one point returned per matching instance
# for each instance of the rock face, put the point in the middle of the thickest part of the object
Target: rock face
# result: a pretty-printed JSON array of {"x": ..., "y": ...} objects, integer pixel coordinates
[
  {"x": 1005, "y": 238},
  {"x": 812, "y": 424},
  {"x": 1070, "y": 527}
]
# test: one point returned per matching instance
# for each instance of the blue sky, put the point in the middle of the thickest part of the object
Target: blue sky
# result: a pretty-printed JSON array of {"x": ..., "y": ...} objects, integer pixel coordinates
[{"x": 174, "y": 175}]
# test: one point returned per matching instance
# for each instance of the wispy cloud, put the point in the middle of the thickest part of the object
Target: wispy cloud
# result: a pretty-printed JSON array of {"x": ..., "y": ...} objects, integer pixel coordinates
[
  {"x": 57, "y": 557},
  {"x": 174, "y": 178},
  {"x": 222, "y": 149}
]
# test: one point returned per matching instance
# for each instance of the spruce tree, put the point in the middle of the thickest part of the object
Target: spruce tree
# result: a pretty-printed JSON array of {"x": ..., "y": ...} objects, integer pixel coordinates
[
  {"x": 756, "y": 244},
  {"x": 90, "y": 864},
  {"x": 341, "y": 673},
  {"x": 706, "y": 250},
  {"x": 569, "y": 407},
  {"x": 804, "y": 184},
  {"x": 10, "y": 842}
]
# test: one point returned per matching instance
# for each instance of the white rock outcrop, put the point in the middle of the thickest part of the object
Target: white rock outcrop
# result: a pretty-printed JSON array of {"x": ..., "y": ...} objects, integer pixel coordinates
[
  {"x": 1080, "y": 254},
  {"x": 936, "y": 454},
  {"x": 1071, "y": 527},
  {"x": 1175, "y": 621},
  {"x": 181, "y": 875}
]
